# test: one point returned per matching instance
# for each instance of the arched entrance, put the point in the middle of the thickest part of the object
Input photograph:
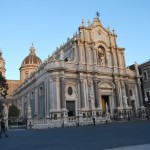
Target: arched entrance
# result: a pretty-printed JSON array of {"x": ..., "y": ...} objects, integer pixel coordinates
[
  {"x": 106, "y": 96},
  {"x": 105, "y": 102}
]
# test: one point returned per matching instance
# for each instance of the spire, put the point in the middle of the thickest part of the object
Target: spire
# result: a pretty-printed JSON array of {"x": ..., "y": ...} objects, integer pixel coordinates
[
  {"x": 82, "y": 22},
  {"x": 89, "y": 23},
  {"x": 32, "y": 50},
  {"x": 108, "y": 28}
]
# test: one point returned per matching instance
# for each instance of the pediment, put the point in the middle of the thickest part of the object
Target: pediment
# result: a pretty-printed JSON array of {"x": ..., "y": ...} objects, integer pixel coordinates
[{"x": 106, "y": 85}]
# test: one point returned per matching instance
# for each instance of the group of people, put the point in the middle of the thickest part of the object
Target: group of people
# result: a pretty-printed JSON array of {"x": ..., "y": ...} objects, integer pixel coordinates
[{"x": 3, "y": 129}]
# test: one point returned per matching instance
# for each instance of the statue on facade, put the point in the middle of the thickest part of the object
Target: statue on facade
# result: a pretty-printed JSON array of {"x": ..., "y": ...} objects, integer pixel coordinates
[
  {"x": 61, "y": 55},
  {"x": 125, "y": 104},
  {"x": 107, "y": 109},
  {"x": 53, "y": 57},
  {"x": 91, "y": 99},
  {"x": 101, "y": 56},
  {"x": 108, "y": 120}
]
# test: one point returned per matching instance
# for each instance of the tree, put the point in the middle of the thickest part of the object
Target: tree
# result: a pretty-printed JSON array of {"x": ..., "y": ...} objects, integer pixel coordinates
[
  {"x": 1, "y": 110},
  {"x": 3, "y": 86},
  {"x": 13, "y": 111}
]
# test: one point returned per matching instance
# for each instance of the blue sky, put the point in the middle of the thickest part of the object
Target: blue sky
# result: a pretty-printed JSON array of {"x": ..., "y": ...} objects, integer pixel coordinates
[{"x": 48, "y": 23}]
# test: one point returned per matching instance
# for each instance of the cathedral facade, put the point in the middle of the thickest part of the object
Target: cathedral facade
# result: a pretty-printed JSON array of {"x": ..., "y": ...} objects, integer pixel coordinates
[{"x": 87, "y": 76}]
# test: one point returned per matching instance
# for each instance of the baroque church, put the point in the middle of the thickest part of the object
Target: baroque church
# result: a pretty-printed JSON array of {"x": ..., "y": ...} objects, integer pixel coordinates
[{"x": 87, "y": 76}]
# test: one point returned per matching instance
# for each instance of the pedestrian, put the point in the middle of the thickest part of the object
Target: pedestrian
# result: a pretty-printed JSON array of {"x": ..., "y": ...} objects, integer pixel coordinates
[
  {"x": 93, "y": 121},
  {"x": 3, "y": 129}
]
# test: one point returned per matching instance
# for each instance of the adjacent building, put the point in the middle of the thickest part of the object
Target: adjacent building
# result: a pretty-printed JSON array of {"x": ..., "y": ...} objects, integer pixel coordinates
[{"x": 145, "y": 73}]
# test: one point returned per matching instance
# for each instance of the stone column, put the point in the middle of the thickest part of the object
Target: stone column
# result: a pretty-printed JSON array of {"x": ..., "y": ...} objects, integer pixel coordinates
[
  {"x": 96, "y": 94},
  {"x": 117, "y": 94},
  {"x": 62, "y": 93},
  {"x": 140, "y": 93},
  {"x": 36, "y": 102},
  {"x": 118, "y": 59},
  {"x": 113, "y": 57},
  {"x": 80, "y": 52},
  {"x": 56, "y": 90},
  {"x": 47, "y": 95},
  {"x": 87, "y": 54},
  {"x": 128, "y": 94},
  {"x": 124, "y": 61},
  {"x": 82, "y": 93},
  {"x": 94, "y": 57}
]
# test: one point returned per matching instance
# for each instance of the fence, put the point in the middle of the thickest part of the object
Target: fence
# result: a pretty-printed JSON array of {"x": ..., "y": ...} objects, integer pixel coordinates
[{"x": 39, "y": 123}]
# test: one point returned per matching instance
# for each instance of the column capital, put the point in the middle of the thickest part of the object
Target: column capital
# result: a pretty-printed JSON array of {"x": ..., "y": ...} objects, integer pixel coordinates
[
  {"x": 95, "y": 80},
  {"x": 81, "y": 79},
  {"x": 139, "y": 84},
  {"x": 89, "y": 81},
  {"x": 55, "y": 78},
  {"x": 61, "y": 78}
]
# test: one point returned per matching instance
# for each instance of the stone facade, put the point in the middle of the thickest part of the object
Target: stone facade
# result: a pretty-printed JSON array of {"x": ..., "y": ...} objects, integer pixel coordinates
[
  {"x": 86, "y": 76},
  {"x": 145, "y": 73}
]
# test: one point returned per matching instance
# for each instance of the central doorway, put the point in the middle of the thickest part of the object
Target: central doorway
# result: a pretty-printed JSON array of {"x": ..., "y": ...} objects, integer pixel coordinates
[
  {"x": 70, "y": 105},
  {"x": 105, "y": 100}
]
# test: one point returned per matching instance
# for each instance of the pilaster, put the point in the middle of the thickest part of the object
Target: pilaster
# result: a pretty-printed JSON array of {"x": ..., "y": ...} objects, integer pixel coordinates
[
  {"x": 117, "y": 93},
  {"x": 62, "y": 92},
  {"x": 36, "y": 102},
  {"x": 82, "y": 92},
  {"x": 140, "y": 93},
  {"x": 118, "y": 59},
  {"x": 96, "y": 93}
]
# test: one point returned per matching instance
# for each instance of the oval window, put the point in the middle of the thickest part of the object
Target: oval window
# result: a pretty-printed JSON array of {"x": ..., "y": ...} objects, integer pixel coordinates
[{"x": 70, "y": 91}]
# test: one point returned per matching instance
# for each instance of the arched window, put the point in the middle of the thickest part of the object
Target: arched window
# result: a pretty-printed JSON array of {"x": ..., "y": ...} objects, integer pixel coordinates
[{"x": 41, "y": 90}]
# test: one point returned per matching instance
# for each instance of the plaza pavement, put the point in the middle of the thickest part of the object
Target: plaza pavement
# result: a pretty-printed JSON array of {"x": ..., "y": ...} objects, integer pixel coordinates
[
  {"x": 136, "y": 147},
  {"x": 114, "y": 136}
]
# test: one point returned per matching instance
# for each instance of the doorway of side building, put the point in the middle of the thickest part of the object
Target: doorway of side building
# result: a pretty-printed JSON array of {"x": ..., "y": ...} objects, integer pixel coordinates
[
  {"x": 105, "y": 100},
  {"x": 70, "y": 105}
]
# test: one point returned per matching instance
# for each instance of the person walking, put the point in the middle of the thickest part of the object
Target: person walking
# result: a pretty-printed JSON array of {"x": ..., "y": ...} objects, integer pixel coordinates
[
  {"x": 3, "y": 129},
  {"x": 93, "y": 121}
]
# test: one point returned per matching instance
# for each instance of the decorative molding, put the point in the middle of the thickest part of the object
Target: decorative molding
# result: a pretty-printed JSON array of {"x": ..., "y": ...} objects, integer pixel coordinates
[{"x": 73, "y": 84}]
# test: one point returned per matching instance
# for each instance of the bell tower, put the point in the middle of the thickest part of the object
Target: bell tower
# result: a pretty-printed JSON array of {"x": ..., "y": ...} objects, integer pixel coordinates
[{"x": 2, "y": 64}]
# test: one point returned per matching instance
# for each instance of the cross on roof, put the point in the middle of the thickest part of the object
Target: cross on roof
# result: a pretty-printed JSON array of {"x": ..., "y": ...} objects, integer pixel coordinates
[{"x": 97, "y": 14}]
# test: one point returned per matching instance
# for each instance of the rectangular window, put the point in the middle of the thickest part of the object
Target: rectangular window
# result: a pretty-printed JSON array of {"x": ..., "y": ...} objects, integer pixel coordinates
[
  {"x": 145, "y": 77},
  {"x": 147, "y": 94},
  {"x": 32, "y": 95}
]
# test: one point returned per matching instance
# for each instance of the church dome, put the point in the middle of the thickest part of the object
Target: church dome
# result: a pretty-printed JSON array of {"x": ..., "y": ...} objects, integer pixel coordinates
[
  {"x": 29, "y": 64},
  {"x": 31, "y": 59}
]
